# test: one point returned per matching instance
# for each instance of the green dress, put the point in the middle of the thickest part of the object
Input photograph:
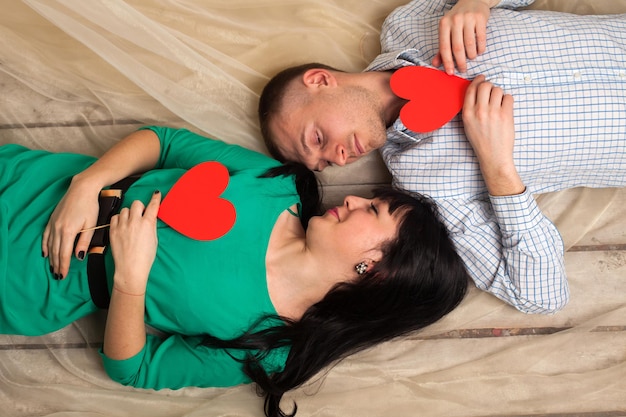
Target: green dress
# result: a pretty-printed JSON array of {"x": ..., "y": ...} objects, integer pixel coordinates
[{"x": 195, "y": 287}]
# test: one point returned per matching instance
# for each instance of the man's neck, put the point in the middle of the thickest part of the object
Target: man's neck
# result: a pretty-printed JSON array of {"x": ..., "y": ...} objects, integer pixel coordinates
[{"x": 391, "y": 103}]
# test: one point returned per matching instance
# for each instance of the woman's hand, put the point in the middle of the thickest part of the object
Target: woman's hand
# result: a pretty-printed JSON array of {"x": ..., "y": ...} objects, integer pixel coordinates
[
  {"x": 76, "y": 211},
  {"x": 463, "y": 34},
  {"x": 134, "y": 242},
  {"x": 490, "y": 129}
]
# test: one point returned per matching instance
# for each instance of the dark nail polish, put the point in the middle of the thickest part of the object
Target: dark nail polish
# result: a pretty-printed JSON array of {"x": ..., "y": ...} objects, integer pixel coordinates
[
  {"x": 81, "y": 255},
  {"x": 58, "y": 277},
  {"x": 156, "y": 191},
  {"x": 51, "y": 269}
]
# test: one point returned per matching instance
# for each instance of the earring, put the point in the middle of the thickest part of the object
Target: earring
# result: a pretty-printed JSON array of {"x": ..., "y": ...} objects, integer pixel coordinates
[{"x": 361, "y": 267}]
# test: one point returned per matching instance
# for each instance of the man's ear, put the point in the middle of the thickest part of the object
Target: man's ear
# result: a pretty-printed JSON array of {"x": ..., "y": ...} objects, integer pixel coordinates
[{"x": 319, "y": 77}]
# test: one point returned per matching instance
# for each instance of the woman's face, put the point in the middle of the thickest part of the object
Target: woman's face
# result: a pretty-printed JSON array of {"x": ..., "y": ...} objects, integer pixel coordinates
[{"x": 353, "y": 232}]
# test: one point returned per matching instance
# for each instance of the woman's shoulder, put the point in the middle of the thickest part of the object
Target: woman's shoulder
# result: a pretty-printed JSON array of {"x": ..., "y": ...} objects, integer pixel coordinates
[{"x": 184, "y": 148}]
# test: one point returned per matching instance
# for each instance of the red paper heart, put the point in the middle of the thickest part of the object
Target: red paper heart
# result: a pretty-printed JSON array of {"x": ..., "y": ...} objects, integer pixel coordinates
[
  {"x": 434, "y": 97},
  {"x": 193, "y": 206}
]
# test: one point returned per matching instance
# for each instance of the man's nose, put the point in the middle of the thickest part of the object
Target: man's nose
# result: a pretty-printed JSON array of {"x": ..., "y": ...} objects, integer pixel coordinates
[{"x": 340, "y": 155}]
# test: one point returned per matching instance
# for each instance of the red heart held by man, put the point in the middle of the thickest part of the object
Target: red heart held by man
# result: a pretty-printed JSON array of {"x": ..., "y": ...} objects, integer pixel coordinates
[
  {"x": 194, "y": 208},
  {"x": 434, "y": 97}
]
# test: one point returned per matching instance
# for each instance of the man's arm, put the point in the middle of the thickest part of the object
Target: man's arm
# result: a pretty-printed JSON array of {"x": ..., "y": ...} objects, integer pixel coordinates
[
  {"x": 510, "y": 250},
  {"x": 489, "y": 127},
  {"x": 530, "y": 273}
]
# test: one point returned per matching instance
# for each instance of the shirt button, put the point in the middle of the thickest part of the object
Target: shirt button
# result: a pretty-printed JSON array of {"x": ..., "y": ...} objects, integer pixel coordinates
[
  {"x": 527, "y": 78},
  {"x": 577, "y": 74}
]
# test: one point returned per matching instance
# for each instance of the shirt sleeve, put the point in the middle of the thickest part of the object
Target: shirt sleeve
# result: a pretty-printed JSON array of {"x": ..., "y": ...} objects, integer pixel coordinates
[
  {"x": 514, "y": 4},
  {"x": 181, "y": 148},
  {"x": 176, "y": 362},
  {"x": 510, "y": 250}
]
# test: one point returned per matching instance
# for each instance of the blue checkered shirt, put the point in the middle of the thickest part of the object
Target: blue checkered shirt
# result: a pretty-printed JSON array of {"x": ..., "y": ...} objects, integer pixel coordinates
[{"x": 567, "y": 75}]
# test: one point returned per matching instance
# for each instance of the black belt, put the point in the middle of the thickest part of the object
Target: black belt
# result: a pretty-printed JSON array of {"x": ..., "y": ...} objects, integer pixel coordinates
[{"x": 110, "y": 201}]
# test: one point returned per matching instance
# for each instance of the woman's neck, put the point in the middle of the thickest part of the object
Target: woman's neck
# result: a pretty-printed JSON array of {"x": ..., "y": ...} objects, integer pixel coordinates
[{"x": 293, "y": 275}]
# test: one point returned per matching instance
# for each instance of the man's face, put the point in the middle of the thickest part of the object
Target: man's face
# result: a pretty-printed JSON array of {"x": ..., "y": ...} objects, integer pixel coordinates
[{"x": 333, "y": 127}]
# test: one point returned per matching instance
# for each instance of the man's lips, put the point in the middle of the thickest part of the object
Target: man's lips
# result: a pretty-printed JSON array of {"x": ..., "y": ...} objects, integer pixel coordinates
[{"x": 357, "y": 146}]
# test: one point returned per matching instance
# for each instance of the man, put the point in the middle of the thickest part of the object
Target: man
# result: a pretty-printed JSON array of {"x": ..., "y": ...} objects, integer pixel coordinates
[{"x": 566, "y": 129}]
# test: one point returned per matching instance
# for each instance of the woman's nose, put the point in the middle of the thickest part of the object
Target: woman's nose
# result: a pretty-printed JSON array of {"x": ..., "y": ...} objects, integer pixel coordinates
[{"x": 353, "y": 202}]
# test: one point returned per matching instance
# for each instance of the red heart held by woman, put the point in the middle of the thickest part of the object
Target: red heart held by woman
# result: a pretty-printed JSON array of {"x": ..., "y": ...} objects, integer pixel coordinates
[
  {"x": 434, "y": 97},
  {"x": 193, "y": 206}
]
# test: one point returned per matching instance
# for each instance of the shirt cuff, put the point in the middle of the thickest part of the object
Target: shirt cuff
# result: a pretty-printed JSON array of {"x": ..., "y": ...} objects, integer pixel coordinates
[
  {"x": 516, "y": 213},
  {"x": 118, "y": 370}
]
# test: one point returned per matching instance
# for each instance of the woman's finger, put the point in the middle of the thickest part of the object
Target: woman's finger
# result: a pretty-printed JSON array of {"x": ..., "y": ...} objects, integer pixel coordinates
[
  {"x": 152, "y": 210},
  {"x": 82, "y": 244},
  {"x": 44, "y": 241}
]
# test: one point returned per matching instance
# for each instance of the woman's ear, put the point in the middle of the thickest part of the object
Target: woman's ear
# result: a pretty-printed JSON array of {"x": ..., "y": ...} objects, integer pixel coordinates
[
  {"x": 374, "y": 255},
  {"x": 319, "y": 77},
  {"x": 365, "y": 265}
]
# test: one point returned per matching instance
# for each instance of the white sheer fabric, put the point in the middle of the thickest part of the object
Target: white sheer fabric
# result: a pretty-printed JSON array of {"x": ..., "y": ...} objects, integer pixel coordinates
[
  {"x": 77, "y": 75},
  {"x": 195, "y": 62}
]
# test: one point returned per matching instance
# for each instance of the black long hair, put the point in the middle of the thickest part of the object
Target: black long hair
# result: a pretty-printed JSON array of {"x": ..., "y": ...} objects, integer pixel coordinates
[{"x": 419, "y": 279}]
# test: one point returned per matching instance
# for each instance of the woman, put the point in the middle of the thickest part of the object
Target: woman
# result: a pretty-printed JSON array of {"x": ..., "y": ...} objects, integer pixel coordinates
[{"x": 266, "y": 302}]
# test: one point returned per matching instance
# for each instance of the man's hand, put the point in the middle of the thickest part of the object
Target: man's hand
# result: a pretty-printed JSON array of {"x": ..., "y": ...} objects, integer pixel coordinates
[
  {"x": 463, "y": 34},
  {"x": 490, "y": 129}
]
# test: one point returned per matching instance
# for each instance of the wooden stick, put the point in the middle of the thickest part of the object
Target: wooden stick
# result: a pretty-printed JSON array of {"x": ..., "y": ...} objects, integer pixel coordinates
[{"x": 95, "y": 228}]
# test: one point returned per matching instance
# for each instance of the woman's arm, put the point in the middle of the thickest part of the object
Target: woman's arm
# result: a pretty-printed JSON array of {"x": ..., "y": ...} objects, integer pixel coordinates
[
  {"x": 78, "y": 209},
  {"x": 134, "y": 244}
]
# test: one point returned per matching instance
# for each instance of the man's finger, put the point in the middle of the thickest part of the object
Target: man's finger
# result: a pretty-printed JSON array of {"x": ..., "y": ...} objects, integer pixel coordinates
[
  {"x": 458, "y": 49},
  {"x": 445, "y": 46},
  {"x": 469, "y": 39},
  {"x": 437, "y": 60},
  {"x": 485, "y": 94},
  {"x": 470, "y": 93},
  {"x": 508, "y": 103},
  {"x": 481, "y": 38}
]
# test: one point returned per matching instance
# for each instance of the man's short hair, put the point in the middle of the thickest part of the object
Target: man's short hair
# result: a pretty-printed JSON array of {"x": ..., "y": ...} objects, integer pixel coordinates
[{"x": 272, "y": 100}]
